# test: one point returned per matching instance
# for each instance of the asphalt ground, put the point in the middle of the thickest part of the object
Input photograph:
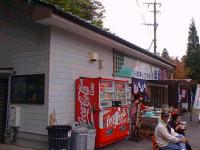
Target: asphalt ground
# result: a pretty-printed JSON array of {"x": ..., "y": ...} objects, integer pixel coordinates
[{"x": 193, "y": 134}]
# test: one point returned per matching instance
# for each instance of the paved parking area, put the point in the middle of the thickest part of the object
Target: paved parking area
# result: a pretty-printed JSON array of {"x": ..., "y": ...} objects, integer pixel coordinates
[
  {"x": 130, "y": 145},
  {"x": 9, "y": 147},
  {"x": 123, "y": 145},
  {"x": 193, "y": 133}
]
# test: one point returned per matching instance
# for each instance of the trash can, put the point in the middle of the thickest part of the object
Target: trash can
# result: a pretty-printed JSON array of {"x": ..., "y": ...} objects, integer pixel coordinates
[
  {"x": 59, "y": 137},
  {"x": 91, "y": 139},
  {"x": 79, "y": 138}
]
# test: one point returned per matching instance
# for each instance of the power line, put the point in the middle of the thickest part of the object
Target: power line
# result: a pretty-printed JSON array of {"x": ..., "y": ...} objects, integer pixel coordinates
[{"x": 142, "y": 15}]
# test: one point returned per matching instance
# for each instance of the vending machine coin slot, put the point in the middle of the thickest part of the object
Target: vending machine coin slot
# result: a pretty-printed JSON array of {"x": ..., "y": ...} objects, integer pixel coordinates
[{"x": 116, "y": 103}]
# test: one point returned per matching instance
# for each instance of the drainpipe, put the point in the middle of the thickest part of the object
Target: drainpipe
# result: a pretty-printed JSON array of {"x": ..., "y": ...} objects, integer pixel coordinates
[{"x": 8, "y": 102}]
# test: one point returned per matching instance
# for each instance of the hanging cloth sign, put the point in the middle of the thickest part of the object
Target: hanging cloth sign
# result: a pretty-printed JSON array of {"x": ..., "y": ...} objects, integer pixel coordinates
[{"x": 139, "y": 86}]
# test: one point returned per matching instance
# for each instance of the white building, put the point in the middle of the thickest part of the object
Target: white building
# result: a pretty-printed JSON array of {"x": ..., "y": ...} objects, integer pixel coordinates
[{"x": 43, "y": 51}]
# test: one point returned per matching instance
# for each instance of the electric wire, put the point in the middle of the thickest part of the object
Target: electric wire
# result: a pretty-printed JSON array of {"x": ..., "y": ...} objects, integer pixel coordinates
[{"x": 144, "y": 20}]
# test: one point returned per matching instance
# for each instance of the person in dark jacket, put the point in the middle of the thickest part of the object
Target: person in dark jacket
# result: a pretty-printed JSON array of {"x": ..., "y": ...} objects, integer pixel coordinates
[
  {"x": 178, "y": 127},
  {"x": 176, "y": 124}
]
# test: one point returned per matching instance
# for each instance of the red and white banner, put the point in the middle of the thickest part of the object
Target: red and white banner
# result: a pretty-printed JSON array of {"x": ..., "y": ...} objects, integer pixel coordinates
[{"x": 197, "y": 98}]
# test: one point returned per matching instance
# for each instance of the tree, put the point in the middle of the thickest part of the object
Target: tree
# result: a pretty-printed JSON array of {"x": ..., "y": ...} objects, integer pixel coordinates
[
  {"x": 90, "y": 10},
  {"x": 192, "y": 59},
  {"x": 165, "y": 54},
  {"x": 181, "y": 71}
]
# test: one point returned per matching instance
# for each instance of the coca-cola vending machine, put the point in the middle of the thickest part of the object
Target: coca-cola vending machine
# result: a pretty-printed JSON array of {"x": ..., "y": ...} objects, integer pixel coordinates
[{"x": 103, "y": 103}]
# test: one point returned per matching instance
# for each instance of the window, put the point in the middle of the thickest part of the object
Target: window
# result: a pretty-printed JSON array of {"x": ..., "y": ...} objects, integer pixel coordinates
[
  {"x": 28, "y": 89},
  {"x": 118, "y": 62}
]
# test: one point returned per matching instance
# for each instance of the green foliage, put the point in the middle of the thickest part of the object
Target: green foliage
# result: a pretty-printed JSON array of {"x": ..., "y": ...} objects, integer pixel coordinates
[
  {"x": 192, "y": 58},
  {"x": 90, "y": 10}
]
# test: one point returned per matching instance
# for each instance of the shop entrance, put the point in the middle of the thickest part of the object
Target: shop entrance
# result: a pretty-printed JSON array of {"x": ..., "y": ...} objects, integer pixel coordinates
[{"x": 3, "y": 106}]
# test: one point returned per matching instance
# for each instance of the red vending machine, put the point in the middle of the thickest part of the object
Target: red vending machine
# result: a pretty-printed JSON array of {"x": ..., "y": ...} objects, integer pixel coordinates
[{"x": 103, "y": 103}]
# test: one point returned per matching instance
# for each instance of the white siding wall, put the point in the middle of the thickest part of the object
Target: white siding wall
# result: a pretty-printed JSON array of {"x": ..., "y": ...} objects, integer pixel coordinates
[
  {"x": 69, "y": 61},
  {"x": 25, "y": 47}
]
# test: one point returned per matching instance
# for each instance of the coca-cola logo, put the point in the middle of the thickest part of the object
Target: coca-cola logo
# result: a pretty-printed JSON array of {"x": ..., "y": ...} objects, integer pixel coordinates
[
  {"x": 111, "y": 120},
  {"x": 84, "y": 93},
  {"x": 122, "y": 117},
  {"x": 116, "y": 118}
]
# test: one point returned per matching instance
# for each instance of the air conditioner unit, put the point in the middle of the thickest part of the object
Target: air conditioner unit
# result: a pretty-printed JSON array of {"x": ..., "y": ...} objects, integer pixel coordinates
[{"x": 14, "y": 119}]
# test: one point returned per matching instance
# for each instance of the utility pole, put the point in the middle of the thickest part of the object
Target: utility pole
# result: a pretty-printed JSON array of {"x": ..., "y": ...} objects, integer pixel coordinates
[{"x": 155, "y": 22}]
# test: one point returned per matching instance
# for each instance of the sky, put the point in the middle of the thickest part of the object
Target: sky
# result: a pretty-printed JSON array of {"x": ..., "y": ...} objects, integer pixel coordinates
[{"x": 126, "y": 18}]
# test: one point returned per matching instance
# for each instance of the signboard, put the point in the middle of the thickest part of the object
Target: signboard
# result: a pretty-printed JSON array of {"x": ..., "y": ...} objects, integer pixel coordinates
[
  {"x": 126, "y": 71},
  {"x": 197, "y": 98},
  {"x": 139, "y": 69},
  {"x": 139, "y": 86}
]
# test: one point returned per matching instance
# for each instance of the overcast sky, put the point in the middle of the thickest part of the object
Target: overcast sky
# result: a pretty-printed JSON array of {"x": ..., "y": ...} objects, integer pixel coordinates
[{"x": 125, "y": 18}]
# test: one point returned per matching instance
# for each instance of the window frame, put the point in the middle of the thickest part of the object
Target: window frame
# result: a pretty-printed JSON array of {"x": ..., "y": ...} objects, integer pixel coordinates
[
  {"x": 118, "y": 62},
  {"x": 28, "y": 82}
]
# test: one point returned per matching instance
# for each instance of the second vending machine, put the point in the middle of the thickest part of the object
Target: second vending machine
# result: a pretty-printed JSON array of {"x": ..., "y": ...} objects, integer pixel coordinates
[{"x": 103, "y": 103}]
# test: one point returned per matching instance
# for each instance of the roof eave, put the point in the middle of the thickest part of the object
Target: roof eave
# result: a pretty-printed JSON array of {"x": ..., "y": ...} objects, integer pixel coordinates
[{"x": 53, "y": 17}]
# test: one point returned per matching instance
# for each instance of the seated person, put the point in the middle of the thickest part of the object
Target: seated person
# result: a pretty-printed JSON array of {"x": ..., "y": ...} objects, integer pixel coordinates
[
  {"x": 165, "y": 136},
  {"x": 175, "y": 123},
  {"x": 178, "y": 127}
]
